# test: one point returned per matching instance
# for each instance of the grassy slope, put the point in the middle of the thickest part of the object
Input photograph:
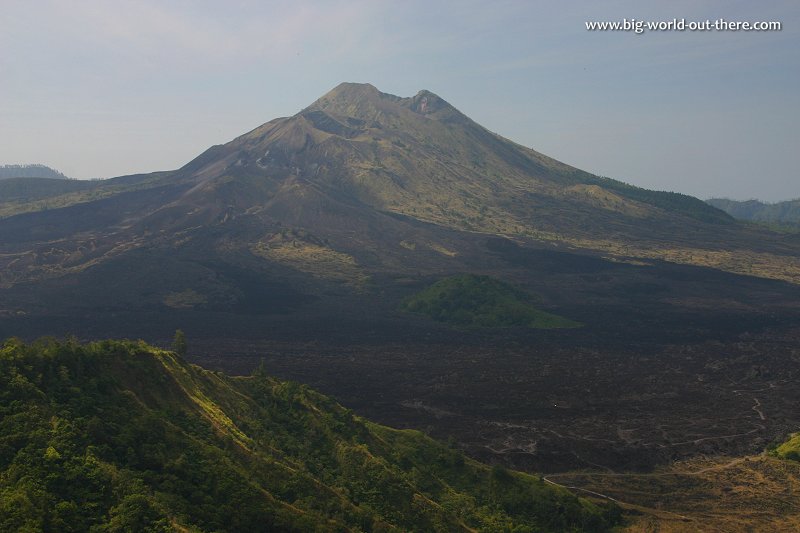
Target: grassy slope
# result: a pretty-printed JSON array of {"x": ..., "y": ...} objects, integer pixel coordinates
[
  {"x": 742, "y": 494},
  {"x": 116, "y": 436},
  {"x": 732, "y": 494},
  {"x": 481, "y": 301}
]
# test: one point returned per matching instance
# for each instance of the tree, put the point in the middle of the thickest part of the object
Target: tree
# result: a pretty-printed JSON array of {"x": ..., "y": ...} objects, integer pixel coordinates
[
  {"x": 179, "y": 345},
  {"x": 261, "y": 369}
]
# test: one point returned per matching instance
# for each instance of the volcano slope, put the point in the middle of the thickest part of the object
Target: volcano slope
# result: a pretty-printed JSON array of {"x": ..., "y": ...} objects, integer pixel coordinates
[{"x": 299, "y": 241}]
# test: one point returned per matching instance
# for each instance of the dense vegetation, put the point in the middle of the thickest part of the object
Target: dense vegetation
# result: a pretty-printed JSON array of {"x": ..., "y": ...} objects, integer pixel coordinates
[
  {"x": 121, "y": 436},
  {"x": 481, "y": 301},
  {"x": 789, "y": 449},
  {"x": 778, "y": 214}
]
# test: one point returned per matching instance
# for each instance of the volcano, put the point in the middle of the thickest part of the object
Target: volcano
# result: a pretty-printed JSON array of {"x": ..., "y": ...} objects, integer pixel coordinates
[
  {"x": 429, "y": 273},
  {"x": 358, "y": 183},
  {"x": 360, "y": 195}
]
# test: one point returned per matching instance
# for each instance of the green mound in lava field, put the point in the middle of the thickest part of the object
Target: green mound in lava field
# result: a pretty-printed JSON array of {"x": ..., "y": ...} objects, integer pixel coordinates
[{"x": 469, "y": 300}]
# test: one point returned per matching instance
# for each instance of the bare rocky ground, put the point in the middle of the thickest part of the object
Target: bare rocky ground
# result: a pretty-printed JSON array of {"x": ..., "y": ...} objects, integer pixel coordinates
[{"x": 551, "y": 409}]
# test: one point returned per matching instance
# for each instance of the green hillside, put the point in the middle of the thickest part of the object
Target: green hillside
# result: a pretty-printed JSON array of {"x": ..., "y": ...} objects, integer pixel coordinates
[
  {"x": 481, "y": 301},
  {"x": 789, "y": 449},
  {"x": 121, "y": 436}
]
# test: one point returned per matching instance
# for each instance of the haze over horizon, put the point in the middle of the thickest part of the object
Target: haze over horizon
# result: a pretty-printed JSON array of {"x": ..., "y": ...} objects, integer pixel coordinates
[{"x": 97, "y": 90}]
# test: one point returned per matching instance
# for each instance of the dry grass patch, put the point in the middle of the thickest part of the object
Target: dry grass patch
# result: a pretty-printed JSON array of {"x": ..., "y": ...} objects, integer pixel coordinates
[
  {"x": 758, "y": 493},
  {"x": 318, "y": 260}
]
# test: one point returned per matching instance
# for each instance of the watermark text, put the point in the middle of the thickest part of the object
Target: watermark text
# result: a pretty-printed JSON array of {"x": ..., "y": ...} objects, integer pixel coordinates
[{"x": 641, "y": 26}]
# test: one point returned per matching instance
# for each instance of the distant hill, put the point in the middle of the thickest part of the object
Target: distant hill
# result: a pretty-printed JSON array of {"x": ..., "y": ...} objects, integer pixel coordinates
[
  {"x": 30, "y": 171},
  {"x": 782, "y": 213},
  {"x": 121, "y": 436}
]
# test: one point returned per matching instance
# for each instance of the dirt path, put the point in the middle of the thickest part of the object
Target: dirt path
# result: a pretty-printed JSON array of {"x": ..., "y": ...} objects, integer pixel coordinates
[
  {"x": 713, "y": 468},
  {"x": 757, "y": 409},
  {"x": 658, "y": 513}
]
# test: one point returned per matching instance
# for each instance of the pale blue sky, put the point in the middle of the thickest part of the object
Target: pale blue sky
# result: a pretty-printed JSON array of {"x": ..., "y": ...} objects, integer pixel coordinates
[{"x": 97, "y": 88}]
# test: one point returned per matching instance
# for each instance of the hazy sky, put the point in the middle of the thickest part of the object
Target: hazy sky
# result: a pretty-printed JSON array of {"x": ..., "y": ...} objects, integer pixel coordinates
[{"x": 99, "y": 88}]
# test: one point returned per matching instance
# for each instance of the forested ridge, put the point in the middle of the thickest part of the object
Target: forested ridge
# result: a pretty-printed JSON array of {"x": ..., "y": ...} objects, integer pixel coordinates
[{"x": 122, "y": 436}]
